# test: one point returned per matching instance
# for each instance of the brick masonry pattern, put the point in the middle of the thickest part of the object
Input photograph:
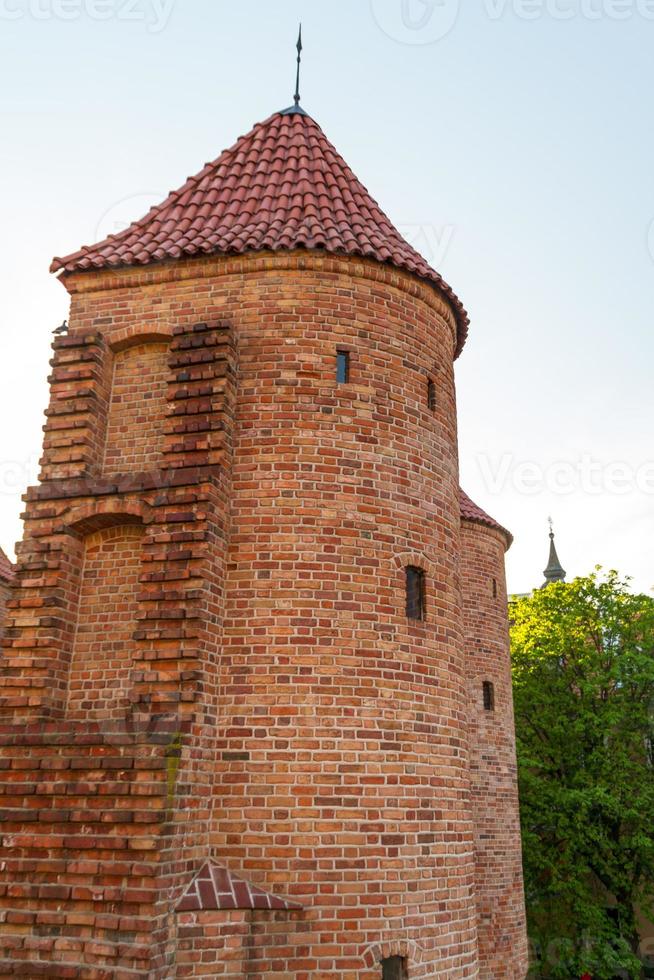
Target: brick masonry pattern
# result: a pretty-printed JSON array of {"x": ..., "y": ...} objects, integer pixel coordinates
[
  {"x": 278, "y": 716},
  {"x": 498, "y": 859}
]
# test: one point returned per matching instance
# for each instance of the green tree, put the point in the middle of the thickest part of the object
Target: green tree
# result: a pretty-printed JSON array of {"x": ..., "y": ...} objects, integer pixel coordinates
[{"x": 583, "y": 672}]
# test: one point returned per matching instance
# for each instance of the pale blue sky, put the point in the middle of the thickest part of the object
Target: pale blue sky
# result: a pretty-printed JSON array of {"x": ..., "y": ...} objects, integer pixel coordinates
[{"x": 512, "y": 140}]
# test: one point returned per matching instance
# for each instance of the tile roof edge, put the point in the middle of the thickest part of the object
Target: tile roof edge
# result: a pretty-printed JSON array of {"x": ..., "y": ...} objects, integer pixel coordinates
[
  {"x": 474, "y": 514},
  {"x": 60, "y": 263},
  {"x": 442, "y": 290},
  {"x": 65, "y": 265}
]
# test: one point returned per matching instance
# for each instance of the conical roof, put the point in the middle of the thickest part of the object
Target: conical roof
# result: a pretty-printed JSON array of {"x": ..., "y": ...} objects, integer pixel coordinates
[
  {"x": 470, "y": 511},
  {"x": 282, "y": 186}
]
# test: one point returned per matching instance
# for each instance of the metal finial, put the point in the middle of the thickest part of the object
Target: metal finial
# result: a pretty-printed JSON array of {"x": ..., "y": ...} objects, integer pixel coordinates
[
  {"x": 551, "y": 524},
  {"x": 299, "y": 62}
]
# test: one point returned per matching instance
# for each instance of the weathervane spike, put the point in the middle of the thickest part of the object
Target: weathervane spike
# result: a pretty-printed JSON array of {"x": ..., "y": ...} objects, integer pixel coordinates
[{"x": 299, "y": 62}]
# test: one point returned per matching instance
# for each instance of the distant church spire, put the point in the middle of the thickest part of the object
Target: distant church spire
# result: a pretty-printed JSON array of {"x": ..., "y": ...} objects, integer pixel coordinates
[{"x": 554, "y": 571}]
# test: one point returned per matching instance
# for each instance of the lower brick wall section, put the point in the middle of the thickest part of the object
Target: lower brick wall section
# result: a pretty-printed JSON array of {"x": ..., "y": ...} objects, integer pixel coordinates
[
  {"x": 81, "y": 815},
  {"x": 213, "y": 944},
  {"x": 274, "y": 946}
]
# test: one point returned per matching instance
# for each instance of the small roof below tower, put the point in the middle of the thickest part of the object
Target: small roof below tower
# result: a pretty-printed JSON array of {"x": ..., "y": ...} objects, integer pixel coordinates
[
  {"x": 283, "y": 186},
  {"x": 470, "y": 511},
  {"x": 554, "y": 571},
  {"x": 215, "y": 888},
  {"x": 6, "y": 568}
]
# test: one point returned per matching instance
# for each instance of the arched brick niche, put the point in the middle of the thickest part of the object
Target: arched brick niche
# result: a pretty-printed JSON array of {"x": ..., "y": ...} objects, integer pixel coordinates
[
  {"x": 405, "y": 958},
  {"x": 134, "y": 439},
  {"x": 428, "y": 569},
  {"x": 103, "y": 645}
]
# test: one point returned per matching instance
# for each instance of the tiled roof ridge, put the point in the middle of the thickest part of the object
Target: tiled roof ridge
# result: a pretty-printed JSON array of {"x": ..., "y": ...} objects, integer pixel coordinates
[
  {"x": 470, "y": 511},
  {"x": 171, "y": 198},
  {"x": 281, "y": 186}
]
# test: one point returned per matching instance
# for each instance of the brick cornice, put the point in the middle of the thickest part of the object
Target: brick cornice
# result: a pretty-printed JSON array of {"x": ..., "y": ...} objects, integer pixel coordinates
[
  {"x": 260, "y": 263},
  {"x": 126, "y": 484},
  {"x": 504, "y": 537}
]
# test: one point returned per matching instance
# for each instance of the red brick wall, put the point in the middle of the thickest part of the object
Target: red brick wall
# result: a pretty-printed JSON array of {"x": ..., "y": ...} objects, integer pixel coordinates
[
  {"x": 106, "y": 811},
  {"x": 217, "y": 945},
  {"x": 342, "y": 775},
  {"x": 103, "y": 648},
  {"x": 498, "y": 859},
  {"x": 135, "y": 430},
  {"x": 81, "y": 814},
  {"x": 298, "y": 728}
]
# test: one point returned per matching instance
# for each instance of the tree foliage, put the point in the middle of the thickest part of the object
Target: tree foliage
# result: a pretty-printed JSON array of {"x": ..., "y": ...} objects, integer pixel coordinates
[{"x": 583, "y": 671}]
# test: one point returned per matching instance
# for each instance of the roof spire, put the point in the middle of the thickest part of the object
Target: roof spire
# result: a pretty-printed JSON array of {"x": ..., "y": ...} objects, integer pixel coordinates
[
  {"x": 554, "y": 571},
  {"x": 299, "y": 63},
  {"x": 297, "y": 109}
]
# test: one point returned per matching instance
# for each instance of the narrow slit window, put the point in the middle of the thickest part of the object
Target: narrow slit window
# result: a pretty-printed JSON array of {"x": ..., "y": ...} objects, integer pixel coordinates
[
  {"x": 415, "y": 593},
  {"x": 431, "y": 395},
  {"x": 489, "y": 696},
  {"x": 394, "y": 968},
  {"x": 342, "y": 367},
  {"x": 494, "y": 588}
]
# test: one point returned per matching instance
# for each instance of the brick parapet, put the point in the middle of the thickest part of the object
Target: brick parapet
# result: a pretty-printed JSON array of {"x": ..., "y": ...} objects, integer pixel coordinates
[{"x": 301, "y": 261}]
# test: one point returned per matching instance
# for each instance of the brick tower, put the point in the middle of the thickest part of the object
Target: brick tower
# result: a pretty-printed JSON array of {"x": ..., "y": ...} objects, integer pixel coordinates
[{"x": 256, "y": 692}]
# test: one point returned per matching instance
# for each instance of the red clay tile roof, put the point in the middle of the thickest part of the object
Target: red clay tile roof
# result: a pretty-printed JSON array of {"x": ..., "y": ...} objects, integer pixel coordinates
[
  {"x": 217, "y": 888},
  {"x": 282, "y": 186},
  {"x": 6, "y": 568},
  {"x": 471, "y": 512}
]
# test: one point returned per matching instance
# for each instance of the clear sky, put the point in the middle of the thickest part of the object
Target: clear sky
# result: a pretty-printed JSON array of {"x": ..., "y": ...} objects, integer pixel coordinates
[{"x": 511, "y": 140}]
